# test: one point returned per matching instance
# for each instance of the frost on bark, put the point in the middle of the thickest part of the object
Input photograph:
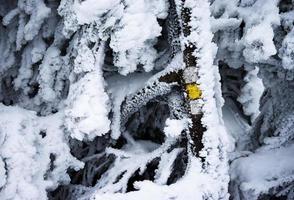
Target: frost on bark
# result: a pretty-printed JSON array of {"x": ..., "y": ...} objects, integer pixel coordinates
[{"x": 190, "y": 76}]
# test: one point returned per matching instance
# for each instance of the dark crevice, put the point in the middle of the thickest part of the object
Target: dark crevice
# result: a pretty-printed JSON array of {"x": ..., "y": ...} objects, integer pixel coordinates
[{"x": 148, "y": 174}]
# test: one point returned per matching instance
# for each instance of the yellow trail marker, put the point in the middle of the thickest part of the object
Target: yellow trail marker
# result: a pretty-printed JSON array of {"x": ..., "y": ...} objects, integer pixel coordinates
[{"x": 193, "y": 91}]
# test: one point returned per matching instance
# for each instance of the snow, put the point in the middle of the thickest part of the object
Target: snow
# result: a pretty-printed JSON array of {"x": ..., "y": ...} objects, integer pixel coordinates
[
  {"x": 39, "y": 14},
  {"x": 25, "y": 72},
  {"x": 174, "y": 128},
  {"x": 132, "y": 23},
  {"x": 119, "y": 87},
  {"x": 215, "y": 133},
  {"x": 38, "y": 51},
  {"x": 9, "y": 16},
  {"x": 184, "y": 189},
  {"x": 132, "y": 27},
  {"x": 136, "y": 33},
  {"x": 237, "y": 128},
  {"x": 263, "y": 170},
  {"x": 27, "y": 154},
  {"x": 213, "y": 177},
  {"x": 87, "y": 106},
  {"x": 251, "y": 94},
  {"x": 224, "y": 24},
  {"x": 2, "y": 173},
  {"x": 142, "y": 31},
  {"x": 88, "y": 10},
  {"x": 89, "y": 109},
  {"x": 131, "y": 158},
  {"x": 50, "y": 64},
  {"x": 287, "y": 51},
  {"x": 254, "y": 42},
  {"x": 165, "y": 166},
  {"x": 259, "y": 43}
]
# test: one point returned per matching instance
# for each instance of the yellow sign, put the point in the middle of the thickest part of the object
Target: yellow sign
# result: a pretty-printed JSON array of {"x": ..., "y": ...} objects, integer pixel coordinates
[{"x": 193, "y": 91}]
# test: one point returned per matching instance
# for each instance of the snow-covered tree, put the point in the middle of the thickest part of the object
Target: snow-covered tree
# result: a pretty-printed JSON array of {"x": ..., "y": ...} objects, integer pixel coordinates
[
  {"x": 257, "y": 38},
  {"x": 150, "y": 99}
]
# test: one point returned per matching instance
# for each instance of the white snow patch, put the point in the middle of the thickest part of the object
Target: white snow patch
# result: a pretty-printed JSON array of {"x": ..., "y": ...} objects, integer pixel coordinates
[
  {"x": 88, "y": 104},
  {"x": 174, "y": 127},
  {"x": 86, "y": 11},
  {"x": 259, "y": 43},
  {"x": 251, "y": 94}
]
